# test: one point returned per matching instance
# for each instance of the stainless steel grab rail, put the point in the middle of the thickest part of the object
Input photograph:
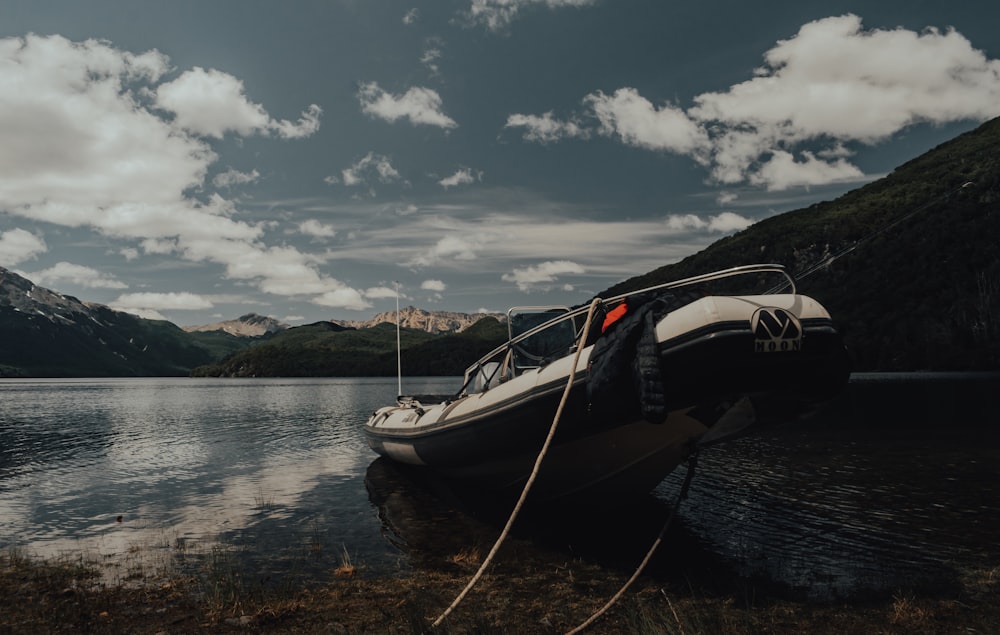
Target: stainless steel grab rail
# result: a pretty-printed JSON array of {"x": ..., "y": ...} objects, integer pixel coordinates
[{"x": 707, "y": 277}]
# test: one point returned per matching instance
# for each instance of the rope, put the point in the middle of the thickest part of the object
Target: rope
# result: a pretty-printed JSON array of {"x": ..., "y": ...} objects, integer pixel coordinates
[
  {"x": 692, "y": 462},
  {"x": 829, "y": 260},
  {"x": 534, "y": 472}
]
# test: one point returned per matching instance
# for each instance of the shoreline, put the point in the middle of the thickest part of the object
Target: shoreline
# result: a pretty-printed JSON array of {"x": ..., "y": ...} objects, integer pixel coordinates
[{"x": 524, "y": 593}]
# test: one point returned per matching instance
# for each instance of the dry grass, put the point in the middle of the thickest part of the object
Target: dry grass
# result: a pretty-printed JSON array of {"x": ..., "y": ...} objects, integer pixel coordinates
[
  {"x": 346, "y": 568},
  {"x": 517, "y": 596},
  {"x": 468, "y": 558}
]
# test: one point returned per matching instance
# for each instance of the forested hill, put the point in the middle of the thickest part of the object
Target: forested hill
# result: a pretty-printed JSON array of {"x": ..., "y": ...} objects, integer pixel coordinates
[
  {"x": 44, "y": 333},
  {"x": 328, "y": 349},
  {"x": 917, "y": 286}
]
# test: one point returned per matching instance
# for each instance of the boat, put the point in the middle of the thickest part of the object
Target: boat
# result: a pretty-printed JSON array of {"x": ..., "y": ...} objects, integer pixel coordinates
[{"x": 663, "y": 372}]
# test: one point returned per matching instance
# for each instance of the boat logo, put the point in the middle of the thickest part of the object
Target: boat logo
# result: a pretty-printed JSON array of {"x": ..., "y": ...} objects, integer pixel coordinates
[{"x": 775, "y": 330}]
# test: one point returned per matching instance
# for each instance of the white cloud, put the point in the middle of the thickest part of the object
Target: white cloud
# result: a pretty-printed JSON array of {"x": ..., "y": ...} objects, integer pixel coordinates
[
  {"x": 212, "y": 103},
  {"x": 831, "y": 85},
  {"x": 343, "y": 298},
  {"x": 541, "y": 275},
  {"x": 279, "y": 270},
  {"x": 836, "y": 82},
  {"x": 448, "y": 248},
  {"x": 83, "y": 149},
  {"x": 725, "y": 222},
  {"x": 496, "y": 15},
  {"x": 724, "y": 198},
  {"x": 411, "y": 16},
  {"x": 728, "y": 222},
  {"x": 231, "y": 177},
  {"x": 546, "y": 128},
  {"x": 18, "y": 245},
  {"x": 685, "y": 222},
  {"x": 834, "y": 78},
  {"x": 430, "y": 58},
  {"x": 436, "y": 287},
  {"x": 433, "y": 285},
  {"x": 464, "y": 176},
  {"x": 637, "y": 122},
  {"x": 782, "y": 171},
  {"x": 63, "y": 272},
  {"x": 313, "y": 227},
  {"x": 159, "y": 246},
  {"x": 419, "y": 105},
  {"x": 380, "y": 293},
  {"x": 306, "y": 126},
  {"x": 182, "y": 301},
  {"x": 483, "y": 240},
  {"x": 77, "y": 148},
  {"x": 366, "y": 170}
]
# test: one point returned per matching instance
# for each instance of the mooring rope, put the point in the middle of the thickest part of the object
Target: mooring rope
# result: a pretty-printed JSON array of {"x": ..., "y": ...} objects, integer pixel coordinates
[
  {"x": 692, "y": 463},
  {"x": 826, "y": 261},
  {"x": 534, "y": 472}
]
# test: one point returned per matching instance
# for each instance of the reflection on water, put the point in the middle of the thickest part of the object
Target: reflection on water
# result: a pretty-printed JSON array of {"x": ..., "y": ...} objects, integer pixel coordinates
[
  {"x": 895, "y": 485},
  {"x": 188, "y": 462}
]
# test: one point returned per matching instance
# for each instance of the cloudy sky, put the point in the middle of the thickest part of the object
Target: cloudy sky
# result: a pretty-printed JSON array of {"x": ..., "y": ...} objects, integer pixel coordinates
[{"x": 198, "y": 160}]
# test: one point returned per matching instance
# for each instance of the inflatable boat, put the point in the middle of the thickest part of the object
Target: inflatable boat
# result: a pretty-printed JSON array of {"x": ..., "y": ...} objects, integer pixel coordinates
[{"x": 664, "y": 371}]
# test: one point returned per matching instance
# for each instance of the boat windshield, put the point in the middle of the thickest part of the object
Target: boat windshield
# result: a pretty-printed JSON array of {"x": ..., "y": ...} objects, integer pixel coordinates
[{"x": 540, "y": 347}]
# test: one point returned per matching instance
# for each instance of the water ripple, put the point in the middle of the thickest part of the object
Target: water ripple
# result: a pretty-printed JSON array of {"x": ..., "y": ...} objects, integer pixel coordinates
[{"x": 857, "y": 502}]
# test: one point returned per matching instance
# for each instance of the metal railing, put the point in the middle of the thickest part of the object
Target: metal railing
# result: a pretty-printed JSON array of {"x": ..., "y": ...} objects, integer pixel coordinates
[{"x": 508, "y": 346}]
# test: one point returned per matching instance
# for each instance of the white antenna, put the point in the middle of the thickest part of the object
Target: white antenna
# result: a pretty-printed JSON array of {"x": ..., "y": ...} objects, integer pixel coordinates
[{"x": 399, "y": 358}]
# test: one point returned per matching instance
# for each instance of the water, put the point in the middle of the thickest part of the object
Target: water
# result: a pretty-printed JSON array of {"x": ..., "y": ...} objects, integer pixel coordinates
[
  {"x": 893, "y": 486},
  {"x": 272, "y": 466}
]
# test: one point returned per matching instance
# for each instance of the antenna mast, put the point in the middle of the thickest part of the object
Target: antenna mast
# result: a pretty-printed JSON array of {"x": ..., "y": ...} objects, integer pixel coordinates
[{"x": 399, "y": 357}]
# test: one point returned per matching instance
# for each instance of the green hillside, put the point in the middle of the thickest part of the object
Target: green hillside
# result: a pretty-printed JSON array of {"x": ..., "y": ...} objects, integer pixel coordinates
[
  {"x": 914, "y": 282},
  {"x": 109, "y": 344}
]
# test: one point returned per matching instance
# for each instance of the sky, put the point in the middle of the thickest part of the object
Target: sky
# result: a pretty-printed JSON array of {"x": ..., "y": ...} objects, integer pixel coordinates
[{"x": 195, "y": 161}]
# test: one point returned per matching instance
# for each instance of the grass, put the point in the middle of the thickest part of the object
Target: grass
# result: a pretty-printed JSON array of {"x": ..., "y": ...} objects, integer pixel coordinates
[
  {"x": 470, "y": 557},
  {"x": 346, "y": 568},
  {"x": 519, "y": 595},
  {"x": 263, "y": 504}
]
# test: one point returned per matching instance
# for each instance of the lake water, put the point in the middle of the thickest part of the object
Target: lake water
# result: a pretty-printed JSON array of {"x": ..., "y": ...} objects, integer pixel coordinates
[{"x": 896, "y": 484}]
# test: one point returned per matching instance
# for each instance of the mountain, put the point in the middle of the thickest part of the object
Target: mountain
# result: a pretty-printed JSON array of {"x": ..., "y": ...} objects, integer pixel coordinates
[
  {"x": 431, "y": 343},
  {"x": 908, "y": 265},
  {"x": 421, "y": 320},
  {"x": 249, "y": 325},
  {"x": 47, "y": 334},
  {"x": 331, "y": 350}
]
